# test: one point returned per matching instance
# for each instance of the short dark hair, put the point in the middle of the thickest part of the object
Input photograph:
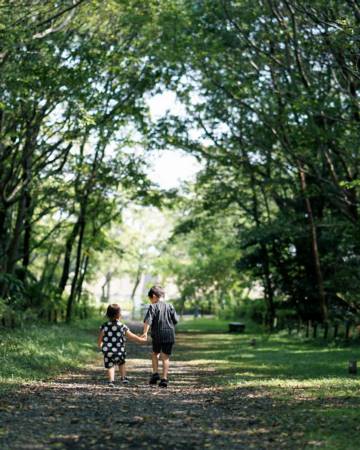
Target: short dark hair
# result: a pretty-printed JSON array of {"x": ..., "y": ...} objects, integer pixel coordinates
[
  {"x": 113, "y": 311},
  {"x": 158, "y": 291}
]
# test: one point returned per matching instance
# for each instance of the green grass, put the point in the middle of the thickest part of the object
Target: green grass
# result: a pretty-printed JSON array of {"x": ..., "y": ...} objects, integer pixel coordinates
[
  {"x": 201, "y": 325},
  {"x": 273, "y": 357},
  {"x": 309, "y": 378},
  {"x": 210, "y": 325},
  {"x": 39, "y": 351}
]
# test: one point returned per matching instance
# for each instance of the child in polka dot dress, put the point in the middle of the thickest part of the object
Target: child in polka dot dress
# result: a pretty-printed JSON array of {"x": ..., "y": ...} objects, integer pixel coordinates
[{"x": 111, "y": 341}]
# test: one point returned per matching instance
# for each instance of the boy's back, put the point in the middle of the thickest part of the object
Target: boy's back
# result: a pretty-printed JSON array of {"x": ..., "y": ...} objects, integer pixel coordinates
[{"x": 162, "y": 319}]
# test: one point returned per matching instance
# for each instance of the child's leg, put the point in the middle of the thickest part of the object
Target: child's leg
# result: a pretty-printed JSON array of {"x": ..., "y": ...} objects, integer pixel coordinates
[
  {"x": 122, "y": 370},
  {"x": 165, "y": 364},
  {"x": 155, "y": 362},
  {"x": 111, "y": 374}
]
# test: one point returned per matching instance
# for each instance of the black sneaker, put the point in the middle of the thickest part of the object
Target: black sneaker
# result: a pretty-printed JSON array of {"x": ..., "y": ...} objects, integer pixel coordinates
[
  {"x": 111, "y": 384},
  {"x": 163, "y": 383},
  {"x": 155, "y": 377},
  {"x": 125, "y": 380}
]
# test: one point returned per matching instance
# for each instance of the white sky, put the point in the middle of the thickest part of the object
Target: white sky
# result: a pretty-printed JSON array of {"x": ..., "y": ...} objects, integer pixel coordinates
[{"x": 170, "y": 167}]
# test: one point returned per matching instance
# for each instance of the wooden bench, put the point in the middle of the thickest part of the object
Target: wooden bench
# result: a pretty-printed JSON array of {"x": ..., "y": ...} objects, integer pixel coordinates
[{"x": 236, "y": 327}]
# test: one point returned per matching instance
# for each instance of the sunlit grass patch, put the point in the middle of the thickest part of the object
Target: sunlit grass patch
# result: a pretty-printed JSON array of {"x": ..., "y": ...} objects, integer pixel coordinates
[
  {"x": 39, "y": 351},
  {"x": 211, "y": 325},
  {"x": 202, "y": 325},
  {"x": 316, "y": 399},
  {"x": 314, "y": 388},
  {"x": 275, "y": 362}
]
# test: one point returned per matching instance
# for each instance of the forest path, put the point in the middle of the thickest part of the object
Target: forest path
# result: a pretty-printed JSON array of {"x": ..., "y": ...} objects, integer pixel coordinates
[{"x": 79, "y": 411}]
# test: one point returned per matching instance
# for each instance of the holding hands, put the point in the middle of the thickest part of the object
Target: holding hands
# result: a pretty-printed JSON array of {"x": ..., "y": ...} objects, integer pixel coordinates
[{"x": 135, "y": 338}]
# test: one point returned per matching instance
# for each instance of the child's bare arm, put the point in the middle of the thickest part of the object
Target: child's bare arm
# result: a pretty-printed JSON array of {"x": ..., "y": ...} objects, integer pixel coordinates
[
  {"x": 174, "y": 316},
  {"x": 100, "y": 338},
  {"x": 135, "y": 338},
  {"x": 146, "y": 329},
  {"x": 148, "y": 321}
]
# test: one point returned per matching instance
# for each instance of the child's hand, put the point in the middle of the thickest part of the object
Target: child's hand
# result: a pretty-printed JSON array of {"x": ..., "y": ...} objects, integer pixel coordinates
[
  {"x": 142, "y": 339},
  {"x": 144, "y": 335}
]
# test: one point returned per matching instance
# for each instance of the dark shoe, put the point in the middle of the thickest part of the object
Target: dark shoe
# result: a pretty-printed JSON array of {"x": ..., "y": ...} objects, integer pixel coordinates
[
  {"x": 111, "y": 384},
  {"x": 125, "y": 380},
  {"x": 163, "y": 383},
  {"x": 155, "y": 377}
]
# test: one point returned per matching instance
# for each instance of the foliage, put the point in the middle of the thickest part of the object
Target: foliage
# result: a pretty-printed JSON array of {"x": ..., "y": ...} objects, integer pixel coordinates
[
  {"x": 270, "y": 93},
  {"x": 270, "y": 90},
  {"x": 248, "y": 309},
  {"x": 200, "y": 259},
  {"x": 72, "y": 80}
]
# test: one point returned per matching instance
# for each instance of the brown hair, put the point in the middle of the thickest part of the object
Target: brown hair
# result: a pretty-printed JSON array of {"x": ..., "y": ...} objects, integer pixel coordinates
[
  {"x": 113, "y": 311},
  {"x": 158, "y": 291}
]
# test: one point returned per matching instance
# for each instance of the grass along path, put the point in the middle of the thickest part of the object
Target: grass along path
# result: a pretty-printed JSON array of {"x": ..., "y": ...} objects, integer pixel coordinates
[
  {"x": 38, "y": 351},
  {"x": 224, "y": 393},
  {"x": 315, "y": 398}
]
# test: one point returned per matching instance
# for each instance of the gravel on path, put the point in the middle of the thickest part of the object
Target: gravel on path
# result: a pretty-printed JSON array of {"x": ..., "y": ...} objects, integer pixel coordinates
[{"x": 79, "y": 411}]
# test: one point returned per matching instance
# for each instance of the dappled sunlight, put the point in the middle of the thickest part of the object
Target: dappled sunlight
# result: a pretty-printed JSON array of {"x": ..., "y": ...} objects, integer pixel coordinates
[
  {"x": 321, "y": 386},
  {"x": 223, "y": 393},
  {"x": 271, "y": 356}
]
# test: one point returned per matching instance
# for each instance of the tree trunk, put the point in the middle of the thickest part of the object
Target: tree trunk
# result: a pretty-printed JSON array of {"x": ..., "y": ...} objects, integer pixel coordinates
[
  {"x": 67, "y": 257},
  {"x": 70, "y": 302},
  {"x": 314, "y": 245},
  {"x": 27, "y": 163},
  {"x": 268, "y": 288},
  {"x": 27, "y": 230},
  {"x": 137, "y": 282},
  {"x": 269, "y": 291},
  {"x": 49, "y": 268},
  {"x": 13, "y": 249},
  {"x": 3, "y": 237},
  {"x": 79, "y": 288}
]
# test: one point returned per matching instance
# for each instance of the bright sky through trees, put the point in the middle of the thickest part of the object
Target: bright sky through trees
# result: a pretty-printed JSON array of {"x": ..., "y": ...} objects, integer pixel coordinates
[{"x": 170, "y": 168}]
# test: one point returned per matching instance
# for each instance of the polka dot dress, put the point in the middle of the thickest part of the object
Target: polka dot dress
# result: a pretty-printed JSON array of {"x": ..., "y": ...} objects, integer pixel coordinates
[{"x": 113, "y": 345}]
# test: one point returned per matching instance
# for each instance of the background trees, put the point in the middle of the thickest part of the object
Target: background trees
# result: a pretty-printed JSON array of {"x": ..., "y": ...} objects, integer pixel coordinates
[
  {"x": 72, "y": 77},
  {"x": 277, "y": 117},
  {"x": 271, "y": 97}
]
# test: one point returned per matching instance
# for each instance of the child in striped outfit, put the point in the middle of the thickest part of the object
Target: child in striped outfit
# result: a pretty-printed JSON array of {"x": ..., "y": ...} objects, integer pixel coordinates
[{"x": 161, "y": 318}]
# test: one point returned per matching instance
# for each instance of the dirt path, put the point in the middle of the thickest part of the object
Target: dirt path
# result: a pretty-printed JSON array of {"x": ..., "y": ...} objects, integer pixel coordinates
[{"x": 79, "y": 411}]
